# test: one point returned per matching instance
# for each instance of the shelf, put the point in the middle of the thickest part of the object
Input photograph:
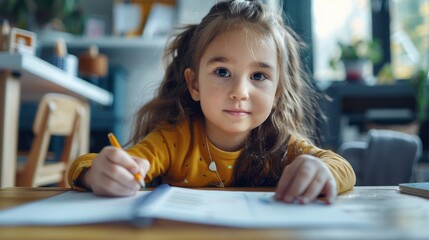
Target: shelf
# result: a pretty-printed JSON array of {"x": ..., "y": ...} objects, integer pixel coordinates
[
  {"x": 111, "y": 42},
  {"x": 400, "y": 89},
  {"x": 40, "y": 77}
]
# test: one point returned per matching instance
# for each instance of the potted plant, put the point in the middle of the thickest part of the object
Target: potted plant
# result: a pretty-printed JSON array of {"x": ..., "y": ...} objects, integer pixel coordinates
[{"x": 356, "y": 57}]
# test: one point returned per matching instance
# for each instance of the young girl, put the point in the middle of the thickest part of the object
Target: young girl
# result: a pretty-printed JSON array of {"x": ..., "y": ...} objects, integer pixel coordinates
[{"x": 230, "y": 111}]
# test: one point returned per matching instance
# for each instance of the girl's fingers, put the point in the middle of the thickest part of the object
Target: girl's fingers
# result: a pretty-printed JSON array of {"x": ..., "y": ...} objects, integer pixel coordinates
[
  {"x": 111, "y": 187},
  {"x": 112, "y": 173},
  {"x": 119, "y": 174},
  {"x": 302, "y": 180},
  {"x": 287, "y": 186},
  {"x": 285, "y": 180},
  {"x": 122, "y": 158},
  {"x": 104, "y": 184},
  {"x": 330, "y": 191},
  {"x": 143, "y": 164},
  {"x": 315, "y": 188}
]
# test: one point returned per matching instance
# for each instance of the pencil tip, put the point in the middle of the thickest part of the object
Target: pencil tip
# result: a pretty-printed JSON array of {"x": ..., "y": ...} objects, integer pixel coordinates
[
  {"x": 140, "y": 179},
  {"x": 142, "y": 184}
]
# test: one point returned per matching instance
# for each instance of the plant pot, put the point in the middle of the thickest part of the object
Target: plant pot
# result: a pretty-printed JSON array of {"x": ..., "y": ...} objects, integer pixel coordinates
[{"x": 357, "y": 70}]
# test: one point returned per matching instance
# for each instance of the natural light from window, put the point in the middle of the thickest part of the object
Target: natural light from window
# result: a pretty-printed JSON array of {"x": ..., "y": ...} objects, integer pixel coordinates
[
  {"x": 333, "y": 21},
  {"x": 409, "y": 36}
]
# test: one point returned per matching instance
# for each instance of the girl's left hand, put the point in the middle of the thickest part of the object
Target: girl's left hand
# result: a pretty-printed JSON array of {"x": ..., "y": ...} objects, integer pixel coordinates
[{"x": 304, "y": 180}]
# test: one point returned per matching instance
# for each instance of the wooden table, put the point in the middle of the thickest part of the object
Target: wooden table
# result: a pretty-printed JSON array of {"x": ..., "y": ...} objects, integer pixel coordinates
[
  {"x": 28, "y": 78},
  {"x": 395, "y": 216}
]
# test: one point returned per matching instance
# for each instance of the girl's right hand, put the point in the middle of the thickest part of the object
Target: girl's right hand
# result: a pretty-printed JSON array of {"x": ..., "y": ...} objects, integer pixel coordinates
[{"x": 112, "y": 173}]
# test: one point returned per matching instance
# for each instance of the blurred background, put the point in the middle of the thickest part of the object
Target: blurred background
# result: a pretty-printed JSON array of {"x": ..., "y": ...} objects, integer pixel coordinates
[{"x": 369, "y": 57}]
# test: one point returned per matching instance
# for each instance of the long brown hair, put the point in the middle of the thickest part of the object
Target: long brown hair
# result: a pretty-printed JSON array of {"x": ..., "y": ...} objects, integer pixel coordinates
[{"x": 263, "y": 158}]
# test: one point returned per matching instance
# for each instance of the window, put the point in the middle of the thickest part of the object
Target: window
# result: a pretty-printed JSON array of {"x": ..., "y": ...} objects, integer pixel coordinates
[
  {"x": 344, "y": 20},
  {"x": 409, "y": 36},
  {"x": 334, "y": 21}
]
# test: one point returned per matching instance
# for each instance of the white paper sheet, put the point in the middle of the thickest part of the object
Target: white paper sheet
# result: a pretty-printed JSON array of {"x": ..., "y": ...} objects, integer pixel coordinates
[
  {"x": 70, "y": 208},
  {"x": 243, "y": 209},
  {"x": 225, "y": 208}
]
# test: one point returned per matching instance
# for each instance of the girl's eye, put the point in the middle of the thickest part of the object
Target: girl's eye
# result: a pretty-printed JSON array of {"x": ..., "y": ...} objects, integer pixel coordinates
[
  {"x": 258, "y": 77},
  {"x": 222, "y": 72}
]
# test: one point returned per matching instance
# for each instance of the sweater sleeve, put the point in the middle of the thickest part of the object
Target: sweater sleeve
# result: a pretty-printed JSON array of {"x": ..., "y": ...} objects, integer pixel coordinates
[
  {"x": 76, "y": 168},
  {"x": 153, "y": 148},
  {"x": 339, "y": 167}
]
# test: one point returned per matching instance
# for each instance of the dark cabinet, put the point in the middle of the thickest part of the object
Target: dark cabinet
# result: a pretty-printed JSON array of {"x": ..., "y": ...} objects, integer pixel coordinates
[{"x": 364, "y": 106}]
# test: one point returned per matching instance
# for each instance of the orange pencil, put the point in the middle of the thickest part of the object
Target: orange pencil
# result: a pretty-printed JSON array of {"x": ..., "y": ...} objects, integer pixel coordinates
[{"x": 114, "y": 142}]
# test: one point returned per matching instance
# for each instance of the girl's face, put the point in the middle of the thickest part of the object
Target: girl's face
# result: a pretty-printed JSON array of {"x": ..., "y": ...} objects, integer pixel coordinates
[{"x": 236, "y": 85}]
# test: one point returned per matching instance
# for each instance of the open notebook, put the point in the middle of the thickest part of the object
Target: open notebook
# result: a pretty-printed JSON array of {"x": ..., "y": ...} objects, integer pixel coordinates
[{"x": 214, "y": 207}]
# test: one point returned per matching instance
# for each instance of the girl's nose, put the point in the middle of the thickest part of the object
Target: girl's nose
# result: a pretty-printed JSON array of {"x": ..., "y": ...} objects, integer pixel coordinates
[{"x": 240, "y": 89}]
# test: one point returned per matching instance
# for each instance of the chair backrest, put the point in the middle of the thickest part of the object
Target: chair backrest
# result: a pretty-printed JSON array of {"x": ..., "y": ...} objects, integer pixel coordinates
[
  {"x": 354, "y": 153},
  {"x": 57, "y": 115},
  {"x": 390, "y": 157}
]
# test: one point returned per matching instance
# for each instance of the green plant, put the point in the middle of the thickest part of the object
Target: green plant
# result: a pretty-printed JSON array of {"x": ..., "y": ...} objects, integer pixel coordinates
[
  {"x": 422, "y": 96},
  {"x": 16, "y": 12},
  {"x": 30, "y": 14},
  {"x": 357, "y": 50}
]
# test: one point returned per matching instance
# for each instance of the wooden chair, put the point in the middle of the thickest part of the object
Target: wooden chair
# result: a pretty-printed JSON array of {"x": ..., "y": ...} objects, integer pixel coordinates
[{"x": 57, "y": 115}]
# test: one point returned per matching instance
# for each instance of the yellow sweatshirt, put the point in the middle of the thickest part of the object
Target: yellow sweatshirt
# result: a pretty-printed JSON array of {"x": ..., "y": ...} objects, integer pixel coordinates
[{"x": 180, "y": 156}]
